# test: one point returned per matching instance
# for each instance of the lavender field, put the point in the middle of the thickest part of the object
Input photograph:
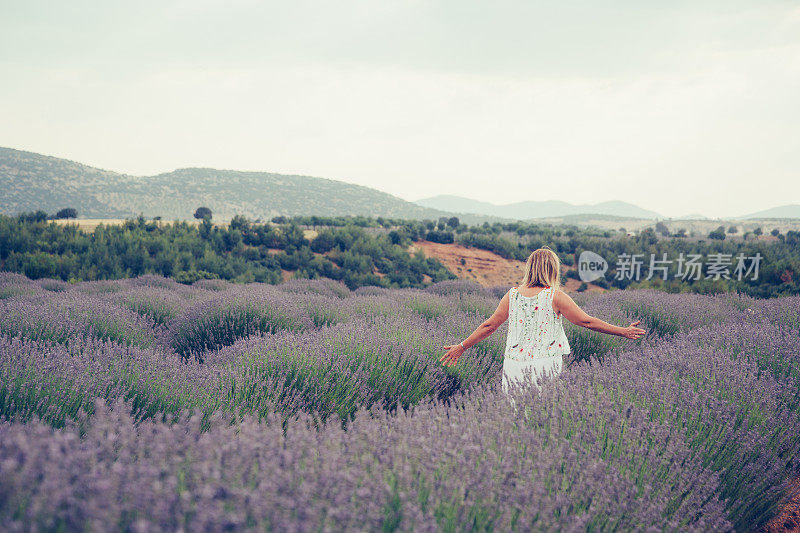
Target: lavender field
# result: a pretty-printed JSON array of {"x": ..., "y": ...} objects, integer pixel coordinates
[{"x": 145, "y": 405}]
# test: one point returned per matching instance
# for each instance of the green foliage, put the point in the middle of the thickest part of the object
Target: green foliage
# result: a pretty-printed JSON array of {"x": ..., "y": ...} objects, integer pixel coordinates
[
  {"x": 203, "y": 213},
  {"x": 241, "y": 252},
  {"x": 67, "y": 212},
  {"x": 440, "y": 236},
  {"x": 361, "y": 251},
  {"x": 779, "y": 271},
  {"x": 718, "y": 234}
]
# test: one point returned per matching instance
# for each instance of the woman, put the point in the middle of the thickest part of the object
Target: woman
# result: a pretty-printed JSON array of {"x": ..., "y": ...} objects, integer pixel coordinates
[{"x": 536, "y": 342}]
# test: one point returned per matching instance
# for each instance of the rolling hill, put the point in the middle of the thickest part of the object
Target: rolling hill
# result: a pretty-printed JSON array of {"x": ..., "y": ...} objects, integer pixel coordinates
[
  {"x": 783, "y": 211},
  {"x": 532, "y": 209},
  {"x": 30, "y": 181}
]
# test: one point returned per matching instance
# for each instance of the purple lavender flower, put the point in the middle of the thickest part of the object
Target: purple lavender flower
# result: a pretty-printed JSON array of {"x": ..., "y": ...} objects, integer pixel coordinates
[{"x": 144, "y": 404}]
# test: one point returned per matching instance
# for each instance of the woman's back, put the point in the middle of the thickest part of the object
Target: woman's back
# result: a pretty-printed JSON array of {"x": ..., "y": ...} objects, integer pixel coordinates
[{"x": 535, "y": 330}]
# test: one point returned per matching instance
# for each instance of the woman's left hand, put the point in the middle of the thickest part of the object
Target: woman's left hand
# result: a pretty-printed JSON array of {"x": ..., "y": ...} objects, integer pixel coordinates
[{"x": 452, "y": 355}]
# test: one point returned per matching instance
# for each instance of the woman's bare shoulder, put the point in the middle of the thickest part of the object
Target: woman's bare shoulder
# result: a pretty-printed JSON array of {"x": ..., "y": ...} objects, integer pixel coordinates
[{"x": 561, "y": 296}]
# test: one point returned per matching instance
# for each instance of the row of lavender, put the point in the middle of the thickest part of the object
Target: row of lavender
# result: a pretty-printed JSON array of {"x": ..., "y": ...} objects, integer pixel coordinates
[
  {"x": 314, "y": 347},
  {"x": 693, "y": 428}
]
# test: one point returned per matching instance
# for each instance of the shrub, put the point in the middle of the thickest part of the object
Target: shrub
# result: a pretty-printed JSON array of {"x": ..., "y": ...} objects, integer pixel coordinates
[{"x": 236, "y": 313}]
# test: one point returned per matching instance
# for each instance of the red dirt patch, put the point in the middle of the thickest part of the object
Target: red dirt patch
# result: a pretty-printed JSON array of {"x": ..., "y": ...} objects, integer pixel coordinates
[
  {"x": 482, "y": 266},
  {"x": 788, "y": 519}
]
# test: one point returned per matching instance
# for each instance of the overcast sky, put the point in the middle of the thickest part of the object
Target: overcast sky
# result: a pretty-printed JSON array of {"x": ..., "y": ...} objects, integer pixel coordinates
[{"x": 679, "y": 107}]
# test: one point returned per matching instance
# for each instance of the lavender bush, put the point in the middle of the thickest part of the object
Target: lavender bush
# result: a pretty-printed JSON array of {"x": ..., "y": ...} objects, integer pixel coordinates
[
  {"x": 478, "y": 466},
  {"x": 54, "y": 382},
  {"x": 68, "y": 316},
  {"x": 144, "y": 404},
  {"x": 341, "y": 368},
  {"x": 219, "y": 321}
]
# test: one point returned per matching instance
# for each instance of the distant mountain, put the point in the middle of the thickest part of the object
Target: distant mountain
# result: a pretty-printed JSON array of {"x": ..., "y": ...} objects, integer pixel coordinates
[
  {"x": 30, "y": 181},
  {"x": 458, "y": 204},
  {"x": 532, "y": 209},
  {"x": 784, "y": 211}
]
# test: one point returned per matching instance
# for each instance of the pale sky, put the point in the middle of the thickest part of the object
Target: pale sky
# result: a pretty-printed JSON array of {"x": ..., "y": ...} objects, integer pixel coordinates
[{"x": 680, "y": 107}]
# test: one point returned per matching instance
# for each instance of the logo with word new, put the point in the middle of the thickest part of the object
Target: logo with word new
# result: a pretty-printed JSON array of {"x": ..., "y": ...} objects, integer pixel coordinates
[{"x": 591, "y": 266}]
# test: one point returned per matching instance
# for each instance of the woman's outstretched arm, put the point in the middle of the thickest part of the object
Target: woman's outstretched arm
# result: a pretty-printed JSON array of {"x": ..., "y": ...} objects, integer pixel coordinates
[
  {"x": 488, "y": 327},
  {"x": 563, "y": 305}
]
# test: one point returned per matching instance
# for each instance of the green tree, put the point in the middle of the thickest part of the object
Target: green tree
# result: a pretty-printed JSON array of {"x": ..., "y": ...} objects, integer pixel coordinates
[
  {"x": 67, "y": 212},
  {"x": 718, "y": 234},
  {"x": 203, "y": 213}
]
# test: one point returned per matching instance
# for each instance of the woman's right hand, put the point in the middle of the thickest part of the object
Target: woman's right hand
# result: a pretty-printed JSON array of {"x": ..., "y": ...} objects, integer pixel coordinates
[
  {"x": 451, "y": 357},
  {"x": 632, "y": 332}
]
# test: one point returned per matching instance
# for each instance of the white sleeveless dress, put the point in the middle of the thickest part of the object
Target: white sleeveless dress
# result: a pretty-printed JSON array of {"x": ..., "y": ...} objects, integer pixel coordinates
[{"x": 536, "y": 341}]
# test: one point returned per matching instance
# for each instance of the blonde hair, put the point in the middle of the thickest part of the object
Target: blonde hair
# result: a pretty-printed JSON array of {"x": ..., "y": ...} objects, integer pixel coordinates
[{"x": 543, "y": 268}]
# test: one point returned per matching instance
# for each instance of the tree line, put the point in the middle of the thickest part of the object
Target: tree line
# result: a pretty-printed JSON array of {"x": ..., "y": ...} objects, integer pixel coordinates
[
  {"x": 778, "y": 270},
  {"x": 366, "y": 251},
  {"x": 242, "y": 251}
]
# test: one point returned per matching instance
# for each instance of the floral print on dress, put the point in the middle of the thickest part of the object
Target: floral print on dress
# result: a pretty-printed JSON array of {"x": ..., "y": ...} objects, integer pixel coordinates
[{"x": 534, "y": 329}]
